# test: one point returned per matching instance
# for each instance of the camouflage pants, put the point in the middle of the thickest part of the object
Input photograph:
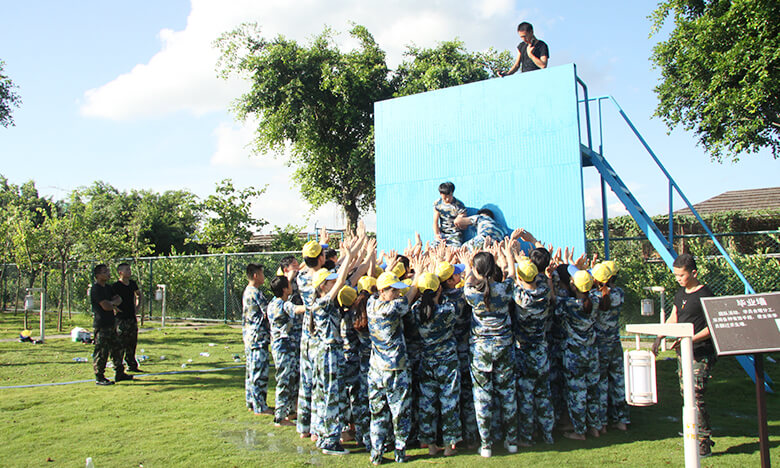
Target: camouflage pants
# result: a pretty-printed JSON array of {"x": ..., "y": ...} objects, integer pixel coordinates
[
  {"x": 468, "y": 416},
  {"x": 534, "y": 403},
  {"x": 581, "y": 369},
  {"x": 440, "y": 388},
  {"x": 414, "y": 396},
  {"x": 612, "y": 384},
  {"x": 702, "y": 372},
  {"x": 106, "y": 344},
  {"x": 492, "y": 373},
  {"x": 557, "y": 381},
  {"x": 286, "y": 364},
  {"x": 305, "y": 384},
  {"x": 256, "y": 382},
  {"x": 327, "y": 394},
  {"x": 389, "y": 399},
  {"x": 356, "y": 390},
  {"x": 127, "y": 330}
]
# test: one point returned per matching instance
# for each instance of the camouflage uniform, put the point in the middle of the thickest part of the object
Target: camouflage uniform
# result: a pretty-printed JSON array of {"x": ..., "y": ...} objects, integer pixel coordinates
[
  {"x": 702, "y": 372},
  {"x": 492, "y": 358},
  {"x": 106, "y": 344},
  {"x": 486, "y": 227},
  {"x": 439, "y": 375},
  {"x": 307, "y": 353},
  {"x": 389, "y": 394},
  {"x": 532, "y": 313},
  {"x": 462, "y": 331},
  {"x": 257, "y": 335},
  {"x": 581, "y": 366},
  {"x": 127, "y": 334},
  {"x": 413, "y": 349},
  {"x": 447, "y": 214},
  {"x": 281, "y": 315},
  {"x": 556, "y": 335},
  {"x": 357, "y": 349},
  {"x": 327, "y": 393},
  {"x": 612, "y": 385}
]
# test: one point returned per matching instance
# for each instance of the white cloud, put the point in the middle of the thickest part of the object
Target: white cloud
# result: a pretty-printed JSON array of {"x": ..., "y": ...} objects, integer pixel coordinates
[
  {"x": 234, "y": 148},
  {"x": 181, "y": 77}
]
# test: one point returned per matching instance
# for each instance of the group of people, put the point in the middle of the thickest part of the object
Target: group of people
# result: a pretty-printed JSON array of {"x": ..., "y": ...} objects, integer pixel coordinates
[
  {"x": 114, "y": 322},
  {"x": 443, "y": 346}
]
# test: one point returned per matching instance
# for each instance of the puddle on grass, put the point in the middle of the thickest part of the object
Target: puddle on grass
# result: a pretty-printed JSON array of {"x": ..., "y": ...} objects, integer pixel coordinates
[{"x": 251, "y": 439}]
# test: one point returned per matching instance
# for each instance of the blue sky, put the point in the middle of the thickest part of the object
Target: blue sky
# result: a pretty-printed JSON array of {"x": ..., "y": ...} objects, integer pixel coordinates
[{"x": 126, "y": 92}]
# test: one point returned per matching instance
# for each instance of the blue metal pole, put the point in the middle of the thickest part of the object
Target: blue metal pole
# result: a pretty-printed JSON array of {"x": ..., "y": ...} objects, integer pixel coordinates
[{"x": 671, "y": 215}]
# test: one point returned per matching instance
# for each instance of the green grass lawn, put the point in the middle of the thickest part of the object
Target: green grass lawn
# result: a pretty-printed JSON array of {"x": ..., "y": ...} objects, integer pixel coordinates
[{"x": 200, "y": 419}]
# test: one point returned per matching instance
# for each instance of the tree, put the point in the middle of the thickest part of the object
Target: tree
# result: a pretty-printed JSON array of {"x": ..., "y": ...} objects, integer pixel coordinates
[
  {"x": 447, "y": 64},
  {"x": 287, "y": 239},
  {"x": 8, "y": 98},
  {"x": 318, "y": 102},
  {"x": 230, "y": 224},
  {"x": 720, "y": 73}
]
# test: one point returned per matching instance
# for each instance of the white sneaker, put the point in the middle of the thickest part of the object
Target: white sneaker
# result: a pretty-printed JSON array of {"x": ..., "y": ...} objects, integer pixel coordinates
[
  {"x": 485, "y": 452},
  {"x": 510, "y": 448}
]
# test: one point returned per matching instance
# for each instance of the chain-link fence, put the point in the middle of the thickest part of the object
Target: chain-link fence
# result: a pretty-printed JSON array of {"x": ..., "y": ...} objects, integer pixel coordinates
[
  {"x": 756, "y": 254},
  {"x": 203, "y": 287},
  {"x": 209, "y": 287}
]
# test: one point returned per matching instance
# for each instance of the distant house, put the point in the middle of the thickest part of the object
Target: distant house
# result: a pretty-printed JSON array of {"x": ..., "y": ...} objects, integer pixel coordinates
[
  {"x": 262, "y": 242},
  {"x": 765, "y": 199}
]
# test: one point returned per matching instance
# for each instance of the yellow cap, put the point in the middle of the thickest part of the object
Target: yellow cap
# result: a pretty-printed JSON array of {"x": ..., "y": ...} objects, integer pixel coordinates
[
  {"x": 582, "y": 280},
  {"x": 366, "y": 283},
  {"x": 444, "y": 271},
  {"x": 613, "y": 268},
  {"x": 601, "y": 272},
  {"x": 378, "y": 271},
  {"x": 25, "y": 333},
  {"x": 460, "y": 284},
  {"x": 347, "y": 296},
  {"x": 321, "y": 276},
  {"x": 526, "y": 270},
  {"x": 398, "y": 269},
  {"x": 389, "y": 280},
  {"x": 311, "y": 249},
  {"x": 407, "y": 282},
  {"x": 428, "y": 281},
  {"x": 279, "y": 272}
]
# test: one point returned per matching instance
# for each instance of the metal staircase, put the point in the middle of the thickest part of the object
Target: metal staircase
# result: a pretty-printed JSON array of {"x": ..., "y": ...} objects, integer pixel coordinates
[{"x": 663, "y": 245}]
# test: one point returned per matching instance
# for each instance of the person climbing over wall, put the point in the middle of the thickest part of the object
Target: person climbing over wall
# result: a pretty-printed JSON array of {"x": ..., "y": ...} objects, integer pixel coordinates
[
  {"x": 532, "y": 53},
  {"x": 445, "y": 210}
]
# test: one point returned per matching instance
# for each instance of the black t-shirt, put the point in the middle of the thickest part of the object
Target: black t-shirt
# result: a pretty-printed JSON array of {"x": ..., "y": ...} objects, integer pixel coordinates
[
  {"x": 127, "y": 293},
  {"x": 102, "y": 318},
  {"x": 690, "y": 310},
  {"x": 540, "y": 50}
]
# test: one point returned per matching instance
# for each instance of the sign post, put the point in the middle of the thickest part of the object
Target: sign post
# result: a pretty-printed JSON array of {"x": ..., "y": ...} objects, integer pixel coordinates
[
  {"x": 685, "y": 332},
  {"x": 747, "y": 324}
]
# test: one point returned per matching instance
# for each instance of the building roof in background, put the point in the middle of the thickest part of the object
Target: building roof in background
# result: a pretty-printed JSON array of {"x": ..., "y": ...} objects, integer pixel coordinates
[{"x": 738, "y": 200}]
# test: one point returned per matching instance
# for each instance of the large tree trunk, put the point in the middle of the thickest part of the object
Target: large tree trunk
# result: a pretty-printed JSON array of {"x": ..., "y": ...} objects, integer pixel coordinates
[{"x": 353, "y": 216}]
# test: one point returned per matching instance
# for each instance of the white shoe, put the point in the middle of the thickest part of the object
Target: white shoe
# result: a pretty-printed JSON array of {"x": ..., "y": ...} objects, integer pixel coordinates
[
  {"x": 510, "y": 448},
  {"x": 485, "y": 452}
]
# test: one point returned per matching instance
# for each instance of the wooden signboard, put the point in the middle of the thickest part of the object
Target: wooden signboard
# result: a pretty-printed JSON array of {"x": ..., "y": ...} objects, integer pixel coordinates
[{"x": 746, "y": 324}]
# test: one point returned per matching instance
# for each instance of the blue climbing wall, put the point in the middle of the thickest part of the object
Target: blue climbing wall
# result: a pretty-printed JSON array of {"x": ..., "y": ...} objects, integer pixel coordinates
[{"x": 509, "y": 144}]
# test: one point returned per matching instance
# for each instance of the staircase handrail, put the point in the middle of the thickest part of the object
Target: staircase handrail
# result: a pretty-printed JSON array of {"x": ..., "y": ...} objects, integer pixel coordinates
[{"x": 672, "y": 184}]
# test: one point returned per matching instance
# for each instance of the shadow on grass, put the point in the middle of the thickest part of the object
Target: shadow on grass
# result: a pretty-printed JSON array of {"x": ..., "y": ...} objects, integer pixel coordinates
[{"x": 748, "y": 448}]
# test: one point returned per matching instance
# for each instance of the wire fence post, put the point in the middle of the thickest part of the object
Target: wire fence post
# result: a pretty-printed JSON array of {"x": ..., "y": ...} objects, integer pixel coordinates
[{"x": 225, "y": 288}]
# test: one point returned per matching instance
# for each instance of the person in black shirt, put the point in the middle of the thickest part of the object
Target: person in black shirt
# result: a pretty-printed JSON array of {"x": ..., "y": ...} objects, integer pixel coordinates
[
  {"x": 126, "y": 322},
  {"x": 532, "y": 53},
  {"x": 104, "y": 304},
  {"x": 688, "y": 309}
]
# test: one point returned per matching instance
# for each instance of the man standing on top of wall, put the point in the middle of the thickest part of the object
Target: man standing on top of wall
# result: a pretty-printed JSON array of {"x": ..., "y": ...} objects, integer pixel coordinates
[{"x": 532, "y": 53}]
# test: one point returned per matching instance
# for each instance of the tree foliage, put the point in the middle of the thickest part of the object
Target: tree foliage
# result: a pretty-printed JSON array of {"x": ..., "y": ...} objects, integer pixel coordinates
[
  {"x": 720, "y": 73},
  {"x": 287, "y": 239},
  {"x": 9, "y": 98},
  {"x": 229, "y": 222},
  {"x": 317, "y": 102}
]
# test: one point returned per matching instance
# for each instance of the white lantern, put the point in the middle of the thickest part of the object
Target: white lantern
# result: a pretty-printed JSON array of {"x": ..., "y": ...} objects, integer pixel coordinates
[
  {"x": 639, "y": 368},
  {"x": 158, "y": 295},
  {"x": 647, "y": 307},
  {"x": 29, "y": 302}
]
